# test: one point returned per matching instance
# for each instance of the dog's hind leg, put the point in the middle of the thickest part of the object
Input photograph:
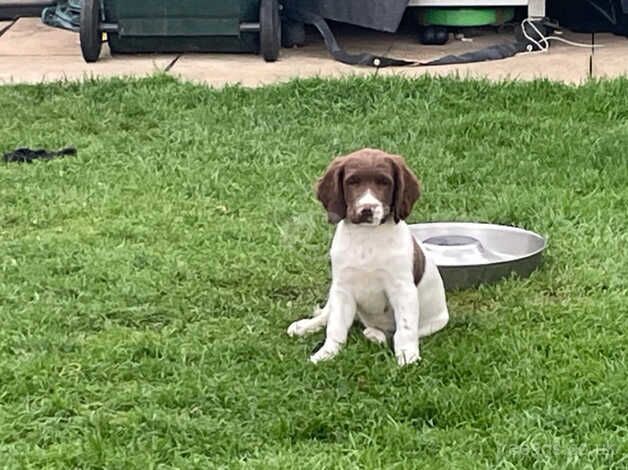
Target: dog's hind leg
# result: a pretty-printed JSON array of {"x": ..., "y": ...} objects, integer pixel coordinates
[
  {"x": 310, "y": 325},
  {"x": 434, "y": 314}
]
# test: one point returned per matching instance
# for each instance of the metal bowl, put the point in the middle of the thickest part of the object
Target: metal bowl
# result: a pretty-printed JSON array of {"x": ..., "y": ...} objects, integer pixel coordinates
[{"x": 469, "y": 254}]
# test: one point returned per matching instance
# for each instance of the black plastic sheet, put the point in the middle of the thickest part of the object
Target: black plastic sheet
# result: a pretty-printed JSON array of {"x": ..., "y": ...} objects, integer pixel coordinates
[{"x": 382, "y": 15}]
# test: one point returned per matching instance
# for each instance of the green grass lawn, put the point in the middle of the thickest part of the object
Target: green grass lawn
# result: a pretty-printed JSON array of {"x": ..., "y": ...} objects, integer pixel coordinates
[{"x": 146, "y": 284}]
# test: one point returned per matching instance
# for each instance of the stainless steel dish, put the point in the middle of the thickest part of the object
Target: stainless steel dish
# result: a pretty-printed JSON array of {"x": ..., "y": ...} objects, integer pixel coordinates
[{"x": 469, "y": 254}]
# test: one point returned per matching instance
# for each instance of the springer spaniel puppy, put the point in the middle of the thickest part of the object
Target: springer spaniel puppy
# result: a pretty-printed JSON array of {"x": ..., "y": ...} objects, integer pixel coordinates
[{"x": 380, "y": 273}]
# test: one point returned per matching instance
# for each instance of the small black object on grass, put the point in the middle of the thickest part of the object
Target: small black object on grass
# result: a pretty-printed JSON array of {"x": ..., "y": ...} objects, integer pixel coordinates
[{"x": 26, "y": 155}]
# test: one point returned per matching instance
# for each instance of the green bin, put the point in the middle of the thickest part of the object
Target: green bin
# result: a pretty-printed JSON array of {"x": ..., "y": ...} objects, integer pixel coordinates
[{"x": 133, "y": 26}]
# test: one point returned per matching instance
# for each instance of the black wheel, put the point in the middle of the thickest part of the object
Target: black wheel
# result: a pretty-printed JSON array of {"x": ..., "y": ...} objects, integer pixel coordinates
[
  {"x": 292, "y": 33},
  {"x": 270, "y": 29},
  {"x": 434, "y": 35},
  {"x": 90, "y": 34}
]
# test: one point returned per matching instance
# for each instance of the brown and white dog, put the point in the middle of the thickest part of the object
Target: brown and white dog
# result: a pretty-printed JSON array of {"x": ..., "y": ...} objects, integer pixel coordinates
[{"x": 379, "y": 271}]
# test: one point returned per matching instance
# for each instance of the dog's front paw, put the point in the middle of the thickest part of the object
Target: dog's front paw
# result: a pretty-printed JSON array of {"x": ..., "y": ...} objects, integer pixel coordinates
[
  {"x": 303, "y": 327},
  {"x": 407, "y": 356},
  {"x": 298, "y": 328},
  {"x": 375, "y": 335},
  {"x": 326, "y": 352}
]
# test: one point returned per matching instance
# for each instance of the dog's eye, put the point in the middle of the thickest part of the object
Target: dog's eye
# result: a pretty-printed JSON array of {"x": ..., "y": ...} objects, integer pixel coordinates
[
  {"x": 353, "y": 180},
  {"x": 382, "y": 181}
]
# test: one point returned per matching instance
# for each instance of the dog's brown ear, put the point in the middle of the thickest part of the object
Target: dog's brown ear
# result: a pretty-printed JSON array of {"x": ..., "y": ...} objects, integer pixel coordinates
[
  {"x": 329, "y": 190},
  {"x": 407, "y": 189}
]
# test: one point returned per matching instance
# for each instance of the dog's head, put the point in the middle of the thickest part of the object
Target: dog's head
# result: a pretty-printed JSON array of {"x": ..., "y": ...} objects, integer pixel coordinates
[{"x": 367, "y": 187}]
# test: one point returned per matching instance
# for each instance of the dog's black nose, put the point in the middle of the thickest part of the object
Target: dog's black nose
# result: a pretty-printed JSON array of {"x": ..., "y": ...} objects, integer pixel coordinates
[
  {"x": 365, "y": 215},
  {"x": 366, "y": 212}
]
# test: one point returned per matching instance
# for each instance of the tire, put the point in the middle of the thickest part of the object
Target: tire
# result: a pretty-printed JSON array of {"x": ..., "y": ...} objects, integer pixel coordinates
[
  {"x": 270, "y": 30},
  {"x": 434, "y": 35},
  {"x": 90, "y": 34},
  {"x": 292, "y": 34}
]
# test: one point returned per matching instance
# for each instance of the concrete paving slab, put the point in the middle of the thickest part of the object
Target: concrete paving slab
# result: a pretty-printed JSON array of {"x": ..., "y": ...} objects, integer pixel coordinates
[
  {"x": 612, "y": 59},
  {"x": 4, "y": 25},
  {"x": 561, "y": 63},
  {"x": 31, "y": 52},
  {"x": 37, "y": 69},
  {"x": 218, "y": 70},
  {"x": 311, "y": 60},
  {"x": 30, "y": 37}
]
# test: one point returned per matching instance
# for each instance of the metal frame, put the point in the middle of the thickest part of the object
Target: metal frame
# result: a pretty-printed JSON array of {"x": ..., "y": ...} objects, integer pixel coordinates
[{"x": 536, "y": 8}]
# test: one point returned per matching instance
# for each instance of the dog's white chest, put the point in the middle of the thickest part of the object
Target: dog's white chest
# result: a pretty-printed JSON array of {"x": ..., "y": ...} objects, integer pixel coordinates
[
  {"x": 367, "y": 262},
  {"x": 368, "y": 289}
]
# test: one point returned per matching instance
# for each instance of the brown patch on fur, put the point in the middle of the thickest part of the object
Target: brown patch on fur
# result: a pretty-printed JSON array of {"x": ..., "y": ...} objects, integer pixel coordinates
[
  {"x": 419, "y": 263},
  {"x": 330, "y": 191},
  {"x": 407, "y": 189},
  {"x": 387, "y": 177}
]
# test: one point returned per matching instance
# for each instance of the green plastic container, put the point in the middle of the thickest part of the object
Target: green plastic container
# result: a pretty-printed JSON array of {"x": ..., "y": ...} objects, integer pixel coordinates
[
  {"x": 182, "y": 25},
  {"x": 466, "y": 17}
]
